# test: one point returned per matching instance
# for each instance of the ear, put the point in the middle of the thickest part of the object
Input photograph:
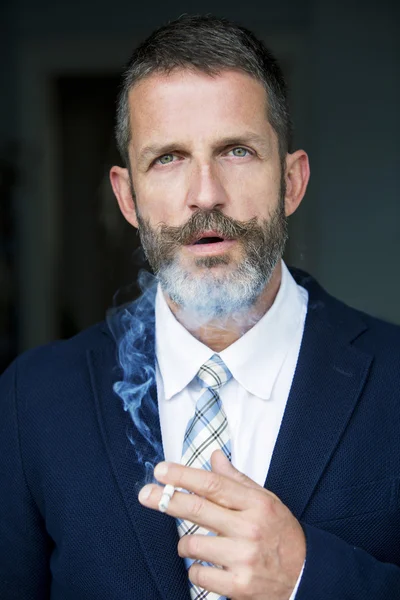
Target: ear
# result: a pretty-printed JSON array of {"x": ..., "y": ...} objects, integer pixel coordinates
[
  {"x": 120, "y": 182},
  {"x": 297, "y": 174}
]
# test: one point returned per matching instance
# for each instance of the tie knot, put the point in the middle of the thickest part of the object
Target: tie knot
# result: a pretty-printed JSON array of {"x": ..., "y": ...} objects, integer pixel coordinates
[{"x": 214, "y": 373}]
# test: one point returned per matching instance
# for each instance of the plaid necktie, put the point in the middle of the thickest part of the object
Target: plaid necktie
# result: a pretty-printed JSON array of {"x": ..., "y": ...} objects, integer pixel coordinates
[{"x": 206, "y": 431}]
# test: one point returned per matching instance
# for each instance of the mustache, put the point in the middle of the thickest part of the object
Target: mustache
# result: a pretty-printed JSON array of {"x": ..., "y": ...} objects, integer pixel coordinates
[{"x": 213, "y": 220}]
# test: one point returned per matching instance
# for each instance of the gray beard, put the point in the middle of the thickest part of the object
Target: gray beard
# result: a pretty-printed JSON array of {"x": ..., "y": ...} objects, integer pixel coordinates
[{"x": 207, "y": 296}]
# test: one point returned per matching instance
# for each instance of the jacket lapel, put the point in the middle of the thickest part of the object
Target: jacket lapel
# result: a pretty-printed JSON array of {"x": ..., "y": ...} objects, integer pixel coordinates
[
  {"x": 156, "y": 533},
  {"x": 328, "y": 381}
]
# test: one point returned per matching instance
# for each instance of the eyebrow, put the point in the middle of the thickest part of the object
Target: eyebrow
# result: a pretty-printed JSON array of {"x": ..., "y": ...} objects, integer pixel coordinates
[
  {"x": 247, "y": 138},
  {"x": 154, "y": 150}
]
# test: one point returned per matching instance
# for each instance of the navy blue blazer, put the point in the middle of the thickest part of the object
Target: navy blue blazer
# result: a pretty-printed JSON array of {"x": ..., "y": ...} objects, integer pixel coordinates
[{"x": 71, "y": 526}]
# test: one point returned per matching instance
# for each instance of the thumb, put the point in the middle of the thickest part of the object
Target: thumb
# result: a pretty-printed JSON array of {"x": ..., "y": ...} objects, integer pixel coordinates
[{"x": 222, "y": 465}]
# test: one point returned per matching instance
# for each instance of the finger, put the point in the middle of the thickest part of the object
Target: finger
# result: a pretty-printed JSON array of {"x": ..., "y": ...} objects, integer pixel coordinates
[
  {"x": 217, "y": 550},
  {"x": 195, "y": 509},
  {"x": 212, "y": 579},
  {"x": 220, "y": 489},
  {"x": 222, "y": 465}
]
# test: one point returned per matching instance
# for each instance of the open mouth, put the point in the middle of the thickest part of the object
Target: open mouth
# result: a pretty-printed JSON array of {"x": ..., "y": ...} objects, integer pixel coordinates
[
  {"x": 209, "y": 243},
  {"x": 208, "y": 236},
  {"x": 208, "y": 240}
]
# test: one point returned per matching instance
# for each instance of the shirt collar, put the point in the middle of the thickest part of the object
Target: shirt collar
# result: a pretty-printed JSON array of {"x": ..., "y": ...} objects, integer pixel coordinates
[
  {"x": 254, "y": 360},
  {"x": 257, "y": 357},
  {"x": 179, "y": 354}
]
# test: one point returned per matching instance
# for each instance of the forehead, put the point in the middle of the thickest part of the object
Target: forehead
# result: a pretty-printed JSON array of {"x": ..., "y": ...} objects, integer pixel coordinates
[{"x": 195, "y": 103}]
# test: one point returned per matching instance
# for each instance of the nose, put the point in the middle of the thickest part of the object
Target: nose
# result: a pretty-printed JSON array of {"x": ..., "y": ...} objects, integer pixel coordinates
[{"x": 206, "y": 190}]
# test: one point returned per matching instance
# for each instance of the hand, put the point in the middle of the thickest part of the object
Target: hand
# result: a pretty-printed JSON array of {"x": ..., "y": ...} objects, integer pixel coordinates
[{"x": 259, "y": 543}]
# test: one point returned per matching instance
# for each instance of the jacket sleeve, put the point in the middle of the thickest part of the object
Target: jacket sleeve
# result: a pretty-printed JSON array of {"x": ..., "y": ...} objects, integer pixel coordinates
[
  {"x": 24, "y": 544},
  {"x": 337, "y": 570}
]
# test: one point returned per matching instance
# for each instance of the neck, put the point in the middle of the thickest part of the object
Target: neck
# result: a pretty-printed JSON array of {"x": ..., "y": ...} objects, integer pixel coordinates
[{"x": 218, "y": 334}]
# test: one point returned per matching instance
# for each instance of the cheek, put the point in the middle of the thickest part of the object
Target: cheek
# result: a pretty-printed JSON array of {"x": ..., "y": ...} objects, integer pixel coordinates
[
  {"x": 161, "y": 198},
  {"x": 254, "y": 191}
]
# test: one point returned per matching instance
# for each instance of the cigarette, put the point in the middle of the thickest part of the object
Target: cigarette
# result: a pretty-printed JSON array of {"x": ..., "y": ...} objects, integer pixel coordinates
[{"x": 167, "y": 494}]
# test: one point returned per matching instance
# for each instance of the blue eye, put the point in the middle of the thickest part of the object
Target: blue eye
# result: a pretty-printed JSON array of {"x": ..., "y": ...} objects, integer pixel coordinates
[
  {"x": 240, "y": 152},
  {"x": 165, "y": 159}
]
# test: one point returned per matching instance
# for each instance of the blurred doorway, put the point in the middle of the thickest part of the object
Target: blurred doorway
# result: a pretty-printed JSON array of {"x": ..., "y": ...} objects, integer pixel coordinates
[{"x": 96, "y": 245}]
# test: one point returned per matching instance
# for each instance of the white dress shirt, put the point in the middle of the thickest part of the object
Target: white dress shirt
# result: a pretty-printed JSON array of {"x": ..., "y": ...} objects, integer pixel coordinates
[{"x": 262, "y": 363}]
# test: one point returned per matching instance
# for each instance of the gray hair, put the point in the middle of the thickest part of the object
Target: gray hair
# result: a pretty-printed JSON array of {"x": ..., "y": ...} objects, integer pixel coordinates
[{"x": 208, "y": 44}]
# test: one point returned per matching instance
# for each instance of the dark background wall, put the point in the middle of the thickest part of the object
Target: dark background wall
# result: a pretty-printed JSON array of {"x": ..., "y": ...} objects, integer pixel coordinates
[{"x": 64, "y": 249}]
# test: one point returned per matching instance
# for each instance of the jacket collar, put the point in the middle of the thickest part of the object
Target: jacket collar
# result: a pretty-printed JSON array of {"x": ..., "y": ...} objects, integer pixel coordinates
[{"x": 327, "y": 385}]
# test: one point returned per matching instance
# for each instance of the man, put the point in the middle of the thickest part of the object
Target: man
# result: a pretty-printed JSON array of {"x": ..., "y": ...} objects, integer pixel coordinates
[{"x": 274, "y": 404}]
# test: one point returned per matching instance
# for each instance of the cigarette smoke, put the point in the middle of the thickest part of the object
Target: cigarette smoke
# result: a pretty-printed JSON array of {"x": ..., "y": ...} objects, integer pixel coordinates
[{"x": 133, "y": 327}]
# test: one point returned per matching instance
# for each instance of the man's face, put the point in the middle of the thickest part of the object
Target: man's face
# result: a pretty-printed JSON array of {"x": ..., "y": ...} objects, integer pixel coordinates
[{"x": 209, "y": 186}]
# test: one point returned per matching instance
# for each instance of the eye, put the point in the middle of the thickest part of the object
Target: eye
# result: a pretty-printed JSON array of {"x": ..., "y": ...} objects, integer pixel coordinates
[
  {"x": 239, "y": 152},
  {"x": 165, "y": 159}
]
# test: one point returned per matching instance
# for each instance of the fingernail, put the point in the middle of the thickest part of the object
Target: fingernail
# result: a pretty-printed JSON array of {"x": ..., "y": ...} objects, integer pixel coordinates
[
  {"x": 144, "y": 493},
  {"x": 161, "y": 469}
]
